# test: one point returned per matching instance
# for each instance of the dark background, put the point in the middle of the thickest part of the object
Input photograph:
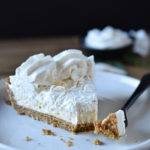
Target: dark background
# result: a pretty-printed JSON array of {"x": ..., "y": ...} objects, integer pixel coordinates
[{"x": 52, "y": 18}]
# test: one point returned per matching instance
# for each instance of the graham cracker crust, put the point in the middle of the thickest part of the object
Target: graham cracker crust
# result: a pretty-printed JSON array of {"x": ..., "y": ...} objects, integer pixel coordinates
[
  {"x": 47, "y": 118},
  {"x": 108, "y": 127}
]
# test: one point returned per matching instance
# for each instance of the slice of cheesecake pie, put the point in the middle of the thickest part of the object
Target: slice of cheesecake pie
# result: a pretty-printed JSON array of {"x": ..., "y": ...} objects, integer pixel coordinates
[{"x": 57, "y": 90}]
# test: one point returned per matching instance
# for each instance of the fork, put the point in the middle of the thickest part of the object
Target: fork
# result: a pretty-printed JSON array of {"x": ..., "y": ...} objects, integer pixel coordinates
[{"x": 143, "y": 85}]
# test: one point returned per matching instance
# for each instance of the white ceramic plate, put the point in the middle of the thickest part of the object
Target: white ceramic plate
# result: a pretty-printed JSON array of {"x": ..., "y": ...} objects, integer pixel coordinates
[{"x": 113, "y": 90}]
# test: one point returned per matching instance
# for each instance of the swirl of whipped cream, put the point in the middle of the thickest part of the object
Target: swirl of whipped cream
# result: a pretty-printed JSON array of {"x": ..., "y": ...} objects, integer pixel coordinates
[
  {"x": 38, "y": 69},
  {"x": 73, "y": 64}
]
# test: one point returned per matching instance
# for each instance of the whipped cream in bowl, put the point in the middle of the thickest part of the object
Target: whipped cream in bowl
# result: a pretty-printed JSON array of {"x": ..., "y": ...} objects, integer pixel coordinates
[{"x": 107, "y": 42}]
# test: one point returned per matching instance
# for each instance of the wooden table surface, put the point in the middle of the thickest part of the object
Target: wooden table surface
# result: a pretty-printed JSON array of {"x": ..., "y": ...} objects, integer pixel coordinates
[{"x": 14, "y": 51}]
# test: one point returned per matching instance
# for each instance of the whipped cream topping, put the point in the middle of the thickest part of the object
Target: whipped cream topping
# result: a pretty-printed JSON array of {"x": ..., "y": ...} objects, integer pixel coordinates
[
  {"x": 120, "y": 122},
  {"x": 74, "y": 64},
  {"x": 45, "y": 70},
  {"x": 61, "y": 86},
  {"x": 37, "y": 69},
  {"x": 108, "y": 38}
]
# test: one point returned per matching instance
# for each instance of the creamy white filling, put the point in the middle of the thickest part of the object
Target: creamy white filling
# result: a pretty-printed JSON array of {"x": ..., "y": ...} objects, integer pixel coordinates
[
  {"x": 76, "y": 105},
  {"x": 108, "y": 38},
  {"x": 120, "y": 122}
]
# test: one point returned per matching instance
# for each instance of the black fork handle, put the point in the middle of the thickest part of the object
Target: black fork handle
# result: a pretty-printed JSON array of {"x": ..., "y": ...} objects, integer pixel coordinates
[{"x": 144, "y": 84}]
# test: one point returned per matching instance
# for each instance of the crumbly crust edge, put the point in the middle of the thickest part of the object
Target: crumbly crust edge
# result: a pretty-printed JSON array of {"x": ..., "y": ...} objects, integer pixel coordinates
[{"x": 108, "y": 127}]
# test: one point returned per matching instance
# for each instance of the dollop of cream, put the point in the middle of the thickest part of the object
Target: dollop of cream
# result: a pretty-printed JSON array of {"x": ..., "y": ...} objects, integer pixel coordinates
[
  {"x": 38, "y": 69},
  {"x": 108, "y": 38},
  {"x": 73, "y": 64}
]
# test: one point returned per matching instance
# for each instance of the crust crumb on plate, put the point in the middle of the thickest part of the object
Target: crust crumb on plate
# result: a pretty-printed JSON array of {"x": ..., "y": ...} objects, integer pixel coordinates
[
  {"x": 8, "y": 102},
  {"x": 87, "y": 139},
  {"x": 48, "y": 132},
  {"x": 70, "y": 138},
  {"x": 27, "y": 139},
  {"x": 69, "y": 143},
  {"x": 97, "y": 142},
  {"x": 62, "y": 140},
  {"x": 74, "y": 133}
]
